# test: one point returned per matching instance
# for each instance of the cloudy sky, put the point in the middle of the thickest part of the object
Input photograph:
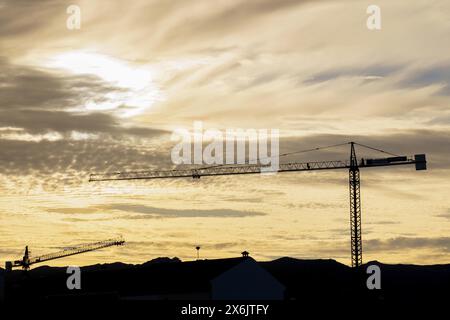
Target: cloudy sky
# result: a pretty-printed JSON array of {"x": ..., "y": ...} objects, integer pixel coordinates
[{"x": 107, "y": 97}]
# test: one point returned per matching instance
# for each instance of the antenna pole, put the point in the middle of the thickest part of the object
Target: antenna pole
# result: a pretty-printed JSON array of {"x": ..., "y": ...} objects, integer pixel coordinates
[{"x": 198, "y": 252}]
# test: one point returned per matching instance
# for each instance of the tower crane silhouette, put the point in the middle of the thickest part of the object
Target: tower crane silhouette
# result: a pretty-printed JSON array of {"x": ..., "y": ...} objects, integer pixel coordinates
[
  {"x": 28, "y": 260},
  {"x": 353, "y": 166}
]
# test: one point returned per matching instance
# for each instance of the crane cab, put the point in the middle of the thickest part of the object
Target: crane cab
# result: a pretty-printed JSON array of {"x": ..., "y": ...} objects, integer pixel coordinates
[
  {"x": 421, "y": 161},
  {"x": 8, "y": 266}
]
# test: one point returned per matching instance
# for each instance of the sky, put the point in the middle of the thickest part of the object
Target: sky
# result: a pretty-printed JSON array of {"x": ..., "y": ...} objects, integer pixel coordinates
[{"x": 106, "y": 97}]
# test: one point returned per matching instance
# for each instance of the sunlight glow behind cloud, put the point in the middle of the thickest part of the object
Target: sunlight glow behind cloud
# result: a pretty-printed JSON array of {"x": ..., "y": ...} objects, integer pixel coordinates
[{"x": 137, "y": 92}]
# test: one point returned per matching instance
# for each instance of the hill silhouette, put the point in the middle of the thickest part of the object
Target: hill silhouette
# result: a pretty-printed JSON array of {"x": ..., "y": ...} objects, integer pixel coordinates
[{"x": 170, "y": 278}]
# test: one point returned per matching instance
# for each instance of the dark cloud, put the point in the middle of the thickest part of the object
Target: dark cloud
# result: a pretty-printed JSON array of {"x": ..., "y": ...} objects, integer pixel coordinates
[
  {"x": 71, "y": 211},
  {"x": 41, "y": 101},
  {"x": 284, "y": 237},
  {"x": 223, "y": 245},
  {"x": 147, "y": 212},
  {"x": 77, "y": 158},
  {"x": 261, "y": 79},
  {"x": 8, "y": 252},
  {"x": 445, "y": 215},
  {"x": 182, "y": 243},
  {"x": 31, "y": 88},
  {"x": 441, "y": 120},
  {"x": 108, "y": 155},
  {"x": 439, "y": 245},
  {"x": 36, "y": 122},
  {"x": 255, "y": 199},
  {"x": 407, "y": 243},
  {"x": 181, "y": 213},
  {"x": 436, "y": 75},
  {"x": 314, "y": 205},
  {"x": 368, "y": 71},
  {"x": 381, "y": 222},
  {"x": 41, "y": 121}
]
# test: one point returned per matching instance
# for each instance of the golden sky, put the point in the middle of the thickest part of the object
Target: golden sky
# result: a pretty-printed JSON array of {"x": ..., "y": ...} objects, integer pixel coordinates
[{"x": 106, "y": 97}]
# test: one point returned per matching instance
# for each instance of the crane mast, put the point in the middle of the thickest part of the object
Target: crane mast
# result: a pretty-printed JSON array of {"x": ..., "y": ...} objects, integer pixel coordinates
[
  {"x": 355, "y": 209},
  {"x": 353, "y": 166},
  {"x": 26, "y": 261}
]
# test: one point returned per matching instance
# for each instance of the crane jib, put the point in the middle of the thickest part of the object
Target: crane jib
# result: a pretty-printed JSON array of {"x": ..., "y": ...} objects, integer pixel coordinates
[
  {"x": 419, "y": 160},
  {"x": 27, "y": 260}
]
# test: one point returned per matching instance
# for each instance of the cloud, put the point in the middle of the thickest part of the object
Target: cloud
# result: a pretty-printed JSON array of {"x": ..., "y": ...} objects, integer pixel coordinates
[
  {"x": 315, "y": 205},
  {"x": 445, "y": 215},
  {"x": 148, "y": 212},
  {"x": 222, "y": 20},
  {"x": 407, "y": 243},
  {"x": 252, "y": 62},
  {"x": 51, "y": 160},
  {"x": 440, "y": 120},
  {"x": 68, "y": 163},
  {"x": 70, "y": 210},
  {"x": 401, "y": 245},
  {"x": 382, "y": 222},
  {"x": 41, "y": 101},
  {"x": 182, "y": 243},
  {"x": 433, "y": 75},
  {"x": 32, "y": 88},
  {"x": 15, "y": 16},
  {"x": 180, "y": 213},
  {"x": 36, "y": 122},
  {"x": 363, "y": 72}
]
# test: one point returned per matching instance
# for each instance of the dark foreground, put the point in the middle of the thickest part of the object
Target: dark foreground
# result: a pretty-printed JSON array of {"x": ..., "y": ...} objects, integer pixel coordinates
[{"x": 238, "y": 286}]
